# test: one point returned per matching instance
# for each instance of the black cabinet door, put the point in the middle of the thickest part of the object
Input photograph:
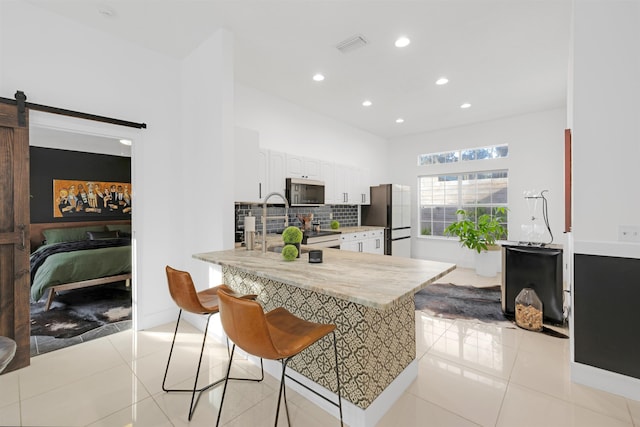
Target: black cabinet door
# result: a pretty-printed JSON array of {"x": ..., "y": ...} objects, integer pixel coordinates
[{"x": 605, "y": 314}]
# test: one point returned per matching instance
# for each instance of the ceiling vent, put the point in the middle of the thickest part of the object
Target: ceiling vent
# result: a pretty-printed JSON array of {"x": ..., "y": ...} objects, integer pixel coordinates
[{"x": 352, "y": 43}]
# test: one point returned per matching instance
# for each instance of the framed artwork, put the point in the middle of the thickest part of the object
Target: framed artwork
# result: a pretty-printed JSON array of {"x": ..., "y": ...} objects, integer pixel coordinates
[{"x": 79, "y": 198}]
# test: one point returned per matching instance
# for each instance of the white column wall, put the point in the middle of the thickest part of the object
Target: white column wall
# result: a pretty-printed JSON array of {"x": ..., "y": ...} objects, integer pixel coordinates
[
  {"x": 535, "y": 161},
  {"x": 606, "y": 118},
  {"x": 289, "y": 128},
  {"x": 207, "y": 163},
  {"x": 606, "y": 146}
]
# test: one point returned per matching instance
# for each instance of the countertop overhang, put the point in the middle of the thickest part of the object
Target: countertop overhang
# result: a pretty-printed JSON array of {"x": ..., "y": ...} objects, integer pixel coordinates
[{"x": 377, "y": 281}]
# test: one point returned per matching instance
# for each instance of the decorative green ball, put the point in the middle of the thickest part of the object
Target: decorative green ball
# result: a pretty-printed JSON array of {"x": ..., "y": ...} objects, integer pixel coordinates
[
  {"x": 335, "y": 225},
  {"x": 292, "y": 234},
  {"x": 289, "y": 252}
]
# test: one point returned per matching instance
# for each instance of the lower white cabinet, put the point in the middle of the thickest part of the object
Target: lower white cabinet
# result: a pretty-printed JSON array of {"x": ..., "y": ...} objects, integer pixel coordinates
[{"x": 366, "y": 241}]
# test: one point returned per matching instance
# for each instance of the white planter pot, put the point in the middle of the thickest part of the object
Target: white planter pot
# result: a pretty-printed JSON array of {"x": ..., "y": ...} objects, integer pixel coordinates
[{"x": 487, "y": 262}]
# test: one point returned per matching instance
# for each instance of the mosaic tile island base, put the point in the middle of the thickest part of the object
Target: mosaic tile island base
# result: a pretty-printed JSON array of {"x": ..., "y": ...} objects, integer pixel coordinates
[{"x": 370, "y": 298}]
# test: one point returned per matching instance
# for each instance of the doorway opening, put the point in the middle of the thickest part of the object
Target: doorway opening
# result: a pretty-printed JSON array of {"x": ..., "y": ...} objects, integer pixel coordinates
[{"x": 75, "y": 165}]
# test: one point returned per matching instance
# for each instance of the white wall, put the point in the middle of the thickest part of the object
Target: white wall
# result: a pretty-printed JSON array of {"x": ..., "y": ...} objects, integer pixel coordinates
[
  {"x": 288, "y": 128},
  {"x": 606, "y": 119},
  {"x": 535, "y": 161},
  {"x": 208, "y": 159},
  {"x": 606, "y": 147},
  {"x": 60, "y": 63}
]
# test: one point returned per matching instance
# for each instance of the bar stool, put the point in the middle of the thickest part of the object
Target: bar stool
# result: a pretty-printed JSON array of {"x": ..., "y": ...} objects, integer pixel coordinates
[
  {"x": 276, "y": 335},
  {"x": 205, "y": 302}
]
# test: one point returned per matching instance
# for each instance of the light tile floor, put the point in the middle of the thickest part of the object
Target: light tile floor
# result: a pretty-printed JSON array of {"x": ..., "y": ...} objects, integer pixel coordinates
[{"x": 470, "y": 374}]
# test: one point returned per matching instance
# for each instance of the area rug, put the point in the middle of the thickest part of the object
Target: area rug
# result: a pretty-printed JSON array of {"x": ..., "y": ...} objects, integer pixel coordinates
[
  {"x": 76, "y": 312},
  {"x": 462, "y": 302}
]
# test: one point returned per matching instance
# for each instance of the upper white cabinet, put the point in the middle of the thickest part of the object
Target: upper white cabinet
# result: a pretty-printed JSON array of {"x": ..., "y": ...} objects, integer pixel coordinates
[
  {"x": 259, "y": 172},
  {"x": 303, "y": 167},
  {"x": 277, "y": 172},
  {"x": 327, "y": 175},
  {"x": 351, "y": 186},
  {"x": 247, "y": 183}
]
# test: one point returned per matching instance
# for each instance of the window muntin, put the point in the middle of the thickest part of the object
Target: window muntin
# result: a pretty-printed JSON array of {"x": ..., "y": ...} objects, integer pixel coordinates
[{"x": 475, "y": 192}]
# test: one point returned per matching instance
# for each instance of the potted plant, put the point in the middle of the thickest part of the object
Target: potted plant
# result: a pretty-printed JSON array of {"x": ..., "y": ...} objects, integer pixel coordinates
[
  {"x": 292, "y": 236},
  {"x": 480, "y": 235}
]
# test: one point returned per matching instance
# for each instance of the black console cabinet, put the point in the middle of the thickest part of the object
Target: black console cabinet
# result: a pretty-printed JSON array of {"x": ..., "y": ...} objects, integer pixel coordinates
[{"x": 539, "y": 268}]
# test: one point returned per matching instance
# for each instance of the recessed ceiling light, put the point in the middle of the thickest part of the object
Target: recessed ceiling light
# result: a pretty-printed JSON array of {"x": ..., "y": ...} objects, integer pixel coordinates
[
  {"x": 318, "y": 77},
  {"x": 402, "y": 42},
  {"x": 366, "y": 103},
  {"x": 400, "y": 120},
  {"x": 442, "y": 81},
  {"x": 125, "y": 142},
  {"x": 106, "y": 11},
  {"x": 465, "y": 105}
]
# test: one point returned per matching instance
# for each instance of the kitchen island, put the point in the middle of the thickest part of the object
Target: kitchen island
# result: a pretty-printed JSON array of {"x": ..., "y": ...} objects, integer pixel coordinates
[{"x": 369, "y": 297}]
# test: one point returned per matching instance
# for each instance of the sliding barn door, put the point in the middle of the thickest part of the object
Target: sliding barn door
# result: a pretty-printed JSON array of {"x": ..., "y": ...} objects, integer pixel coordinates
[{"x": 14, "y": 232}]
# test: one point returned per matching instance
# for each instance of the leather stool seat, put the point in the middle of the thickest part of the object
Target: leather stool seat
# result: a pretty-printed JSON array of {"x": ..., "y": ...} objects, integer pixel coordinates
[
  {"x": 205, "y": 302},
  {"x": 276, "y": 335}
]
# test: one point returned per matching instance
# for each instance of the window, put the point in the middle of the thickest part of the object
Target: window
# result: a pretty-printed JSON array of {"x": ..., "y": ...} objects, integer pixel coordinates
[
  {"x": 477, "y": 193},
  {"x": 483, "y": 153}
]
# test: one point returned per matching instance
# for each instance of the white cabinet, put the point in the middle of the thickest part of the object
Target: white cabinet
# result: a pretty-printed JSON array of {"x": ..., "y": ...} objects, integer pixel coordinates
[
  {"x": 303, "y": 167},
  {"x": 365, "y": 241},
  {"x": 263, "y": 172},
  {"x": 351, "y": 186},
  {"x": 341, "y": 191},
  {"x": 361, "y": 184},
  {"x": 259, "y": 172},
  {"x": 374, "y": 243},
  {"x": 327, "y": 175},
  {"x": 248, "y": 181},
  {"x": 277, "y": 172}
]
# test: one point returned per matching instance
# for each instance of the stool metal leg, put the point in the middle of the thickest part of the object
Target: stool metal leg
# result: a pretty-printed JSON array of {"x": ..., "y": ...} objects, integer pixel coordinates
[
  {"x": 283, "y": 392},
  {"x": 194, "y": 400},
  {"x": 335, "y": 350},
  {"x": 226, "y": 381},
  {"x": 194, "y": 390}
]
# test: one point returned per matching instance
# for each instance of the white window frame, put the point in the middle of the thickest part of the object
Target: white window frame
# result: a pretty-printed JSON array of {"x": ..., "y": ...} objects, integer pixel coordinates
[{"x": 450, "y": 204}]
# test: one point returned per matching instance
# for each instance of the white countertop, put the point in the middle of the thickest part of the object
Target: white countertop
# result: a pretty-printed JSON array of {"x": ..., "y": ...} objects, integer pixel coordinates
[{"x": 377, "y": 281}]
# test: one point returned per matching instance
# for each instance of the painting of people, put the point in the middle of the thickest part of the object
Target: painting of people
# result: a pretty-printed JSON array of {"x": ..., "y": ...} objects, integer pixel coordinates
[{"x": 73, "y": 198}]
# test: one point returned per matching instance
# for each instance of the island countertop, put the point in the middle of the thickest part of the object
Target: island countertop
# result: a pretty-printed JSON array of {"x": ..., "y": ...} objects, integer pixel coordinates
[{"x": 377, "y": 281}]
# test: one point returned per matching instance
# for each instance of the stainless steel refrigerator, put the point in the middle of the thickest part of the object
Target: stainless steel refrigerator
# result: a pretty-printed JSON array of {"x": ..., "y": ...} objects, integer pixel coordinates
[{"x": 391, "y": 208}]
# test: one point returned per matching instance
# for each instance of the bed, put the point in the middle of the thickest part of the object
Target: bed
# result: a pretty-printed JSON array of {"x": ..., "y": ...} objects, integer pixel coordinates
[{"x": 75, "y": 257}]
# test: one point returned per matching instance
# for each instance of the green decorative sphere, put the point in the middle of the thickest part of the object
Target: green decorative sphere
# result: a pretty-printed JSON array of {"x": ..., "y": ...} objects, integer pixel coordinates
[
  {"x": 292, "y": 234},
  {"x": 335, "y": 225},
  {"x": 289, "y": 252}
]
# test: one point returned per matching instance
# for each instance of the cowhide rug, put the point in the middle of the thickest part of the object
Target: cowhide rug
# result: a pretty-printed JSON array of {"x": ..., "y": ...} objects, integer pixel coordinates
[
  {"x": 462, "y": 302},
  {"x": 78, "y": 311},
  {"x": 467, "y": 302}
]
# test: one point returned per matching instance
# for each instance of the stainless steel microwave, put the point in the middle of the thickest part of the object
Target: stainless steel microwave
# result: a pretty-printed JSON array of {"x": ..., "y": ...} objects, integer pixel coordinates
[{"x": 304, "y": 192}]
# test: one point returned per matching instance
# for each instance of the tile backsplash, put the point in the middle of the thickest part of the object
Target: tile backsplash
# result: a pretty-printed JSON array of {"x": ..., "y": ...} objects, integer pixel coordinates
[{"x": 347, "y": 215}]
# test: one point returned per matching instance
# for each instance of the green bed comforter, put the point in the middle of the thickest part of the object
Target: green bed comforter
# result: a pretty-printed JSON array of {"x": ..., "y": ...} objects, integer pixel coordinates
[{"x": 68, "y": 267}]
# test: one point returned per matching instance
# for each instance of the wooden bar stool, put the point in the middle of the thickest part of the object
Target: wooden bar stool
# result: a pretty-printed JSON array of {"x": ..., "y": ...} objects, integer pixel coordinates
[
  {"x": 205, "y": 302},
  {"x": 276, "y": 335}
]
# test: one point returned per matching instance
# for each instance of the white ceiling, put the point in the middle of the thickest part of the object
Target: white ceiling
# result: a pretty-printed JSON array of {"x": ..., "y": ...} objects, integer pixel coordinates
[{"x": 505, "y": 57}]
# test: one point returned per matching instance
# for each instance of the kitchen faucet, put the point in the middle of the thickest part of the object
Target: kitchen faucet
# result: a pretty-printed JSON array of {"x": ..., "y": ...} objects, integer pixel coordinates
[{"x": 264, "y": 217}]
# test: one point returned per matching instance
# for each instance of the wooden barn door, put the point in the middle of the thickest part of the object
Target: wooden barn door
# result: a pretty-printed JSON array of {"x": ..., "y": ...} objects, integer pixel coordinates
[{"x": 14, "y": 231}]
